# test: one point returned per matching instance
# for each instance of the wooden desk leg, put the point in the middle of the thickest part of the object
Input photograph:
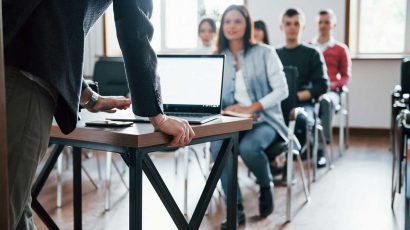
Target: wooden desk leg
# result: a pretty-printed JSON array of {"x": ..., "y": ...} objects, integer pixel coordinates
[
  {"x": 77, "y": 201},
  {"x": 232, "y": 202},
  {"x": 135, "y": 205}
]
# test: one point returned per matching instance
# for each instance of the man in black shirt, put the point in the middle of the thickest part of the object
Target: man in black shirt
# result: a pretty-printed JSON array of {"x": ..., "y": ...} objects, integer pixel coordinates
[
  {"x": 313, "y": 80},
  {"x": 44, "y": 45}
]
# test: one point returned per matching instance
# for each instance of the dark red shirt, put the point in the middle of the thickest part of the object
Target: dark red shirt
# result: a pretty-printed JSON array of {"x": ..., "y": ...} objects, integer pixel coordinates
[{"x": 338, "y": 62}]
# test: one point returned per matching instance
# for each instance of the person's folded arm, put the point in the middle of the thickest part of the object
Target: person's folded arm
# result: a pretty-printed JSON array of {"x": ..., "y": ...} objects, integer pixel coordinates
[
  {"x": 277, "y": 81},
  {"x": 134, "y": 32}
]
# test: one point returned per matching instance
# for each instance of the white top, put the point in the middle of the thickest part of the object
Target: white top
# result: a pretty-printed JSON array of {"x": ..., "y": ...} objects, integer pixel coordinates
[
  {"x": 323, "y": 46},
  {"x": 277, "y": 81},
  {"x": 201, "y": 49},
  {"x": 241, "y": 94}
]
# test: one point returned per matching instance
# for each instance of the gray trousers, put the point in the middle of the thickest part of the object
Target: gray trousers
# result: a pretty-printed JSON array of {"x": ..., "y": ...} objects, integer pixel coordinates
[
  {"x": 30, "y": 110},
  {"x": 327, "y": 114}
]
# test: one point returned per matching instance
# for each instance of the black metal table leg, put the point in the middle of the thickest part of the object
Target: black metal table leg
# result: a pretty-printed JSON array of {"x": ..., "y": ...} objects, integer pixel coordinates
[
  {"x": 77, "y": 199},
  {"x": 135, "y": 205},
  {"x": 160, "y": 187},
  {"x": 39, "y": 183},
  {"x": 213, "y": 178},
  {"x": 42, "y": 213},
  {"x": 232, "y": 203},
  {"x": 138, "y": 160}
]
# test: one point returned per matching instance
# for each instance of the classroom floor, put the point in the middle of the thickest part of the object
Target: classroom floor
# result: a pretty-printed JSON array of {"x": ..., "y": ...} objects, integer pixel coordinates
[{"x": 354, "y": 195}]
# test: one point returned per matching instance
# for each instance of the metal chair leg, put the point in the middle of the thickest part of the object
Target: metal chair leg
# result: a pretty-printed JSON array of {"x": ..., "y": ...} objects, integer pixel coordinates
[
  {"x": 327, "y": 154},
  {"x": 89, "y": 177},
  {"x": 289, "y": 175},
  {"x": 396, "y": 150},
  {"x": 66, "y": 152},
  {"x": 186, "y": 165},
  {"x": 97, "y": 156},
  {"x": 341, "y": 133},
  {"x": 176, "y": 157},
  {"x": 315, "y": 148},
  {"x": 124, "y": 168},
  {"x": 406, "y": 185},
  {"x": 346, "y": 113},
  {"x": 393, "y": 149},
  {"x": 120, "y": 174},
  {"x": 59, "y": 180},
  {"x": 108, "y": 181},
  {"x": 303, "y": 175},
  {"x": 289, "y": 171},
  {"x": 60, "y": 162}
]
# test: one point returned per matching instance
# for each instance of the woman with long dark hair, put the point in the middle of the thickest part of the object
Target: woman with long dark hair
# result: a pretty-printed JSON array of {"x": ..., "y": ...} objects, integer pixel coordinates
[
  {"x": 206, "y": 35},
  {"x": 254, "y": 83},
  {"x": 261, "y": 32}
]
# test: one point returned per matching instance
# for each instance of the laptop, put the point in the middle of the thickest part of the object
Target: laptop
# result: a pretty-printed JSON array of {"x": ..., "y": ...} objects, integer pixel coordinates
[{"x": 191, "y": 87}]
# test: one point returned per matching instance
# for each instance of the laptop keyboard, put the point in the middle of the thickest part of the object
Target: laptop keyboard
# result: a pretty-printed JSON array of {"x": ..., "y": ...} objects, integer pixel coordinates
[{"x": 189, "y": 114}]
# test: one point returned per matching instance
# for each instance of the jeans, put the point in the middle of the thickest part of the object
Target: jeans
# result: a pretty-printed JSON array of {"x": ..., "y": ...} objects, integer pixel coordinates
[{"x": 252, "y": 144}]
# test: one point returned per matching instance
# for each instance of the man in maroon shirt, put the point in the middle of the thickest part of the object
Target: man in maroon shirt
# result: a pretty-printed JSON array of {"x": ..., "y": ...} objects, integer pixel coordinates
[{"x": 337, "y": 58}]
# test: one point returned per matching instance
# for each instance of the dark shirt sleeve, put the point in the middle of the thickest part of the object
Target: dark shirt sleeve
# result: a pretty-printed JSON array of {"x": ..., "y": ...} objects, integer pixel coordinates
[
  {"x": 134, "y": 32},
  {"x": 318, "y": 73}
]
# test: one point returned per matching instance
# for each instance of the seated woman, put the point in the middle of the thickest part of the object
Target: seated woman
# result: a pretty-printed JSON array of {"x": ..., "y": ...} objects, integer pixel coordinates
[
  {"x": 261, "y": 32},
  {"x": 254, "y": 83},
  {"x": 206, "y": 35}
]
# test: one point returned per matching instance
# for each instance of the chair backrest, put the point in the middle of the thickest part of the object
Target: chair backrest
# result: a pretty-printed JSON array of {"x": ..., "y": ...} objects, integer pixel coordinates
[
  {"x": 109, "y": 72},
  {"x": 291, "y": 101},
  {"x": 405, "y": 75}
]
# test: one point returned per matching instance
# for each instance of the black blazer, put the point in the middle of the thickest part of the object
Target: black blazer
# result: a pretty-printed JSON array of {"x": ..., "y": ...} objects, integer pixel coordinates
[{"x": 46, "y": 38}]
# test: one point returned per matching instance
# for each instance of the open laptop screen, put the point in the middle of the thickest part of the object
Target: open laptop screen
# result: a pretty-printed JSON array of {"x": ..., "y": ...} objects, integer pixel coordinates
[{"x": 191, "y": 83}]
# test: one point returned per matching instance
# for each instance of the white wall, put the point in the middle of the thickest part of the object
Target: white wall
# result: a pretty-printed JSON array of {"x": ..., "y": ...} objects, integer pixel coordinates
[
  {"x": 370, "y": 88},
  {"x": 93, "y": 47},
  {"x": 270, "y": 11},
  {"x": 372, "y": 80}
]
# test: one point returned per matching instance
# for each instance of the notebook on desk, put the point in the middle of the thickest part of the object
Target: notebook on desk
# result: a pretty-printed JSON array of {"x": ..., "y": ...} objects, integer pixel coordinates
[{"x": 191, "y": 87}]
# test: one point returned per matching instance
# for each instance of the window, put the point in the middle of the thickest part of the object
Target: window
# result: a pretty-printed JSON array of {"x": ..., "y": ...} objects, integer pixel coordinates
[
  {"x": 175, "y": 23},
  {"x": 379, "y": 27}
]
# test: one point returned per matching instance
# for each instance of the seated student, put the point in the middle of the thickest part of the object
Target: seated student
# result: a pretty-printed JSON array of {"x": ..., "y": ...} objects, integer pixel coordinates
[
  {"x": 254, "y": 83},
  {"x": 337, "y": 58},
  {"x": 206, "y": 34},
  {"x": 261, "y": 32},
  {"x": 313, "y": 80}
]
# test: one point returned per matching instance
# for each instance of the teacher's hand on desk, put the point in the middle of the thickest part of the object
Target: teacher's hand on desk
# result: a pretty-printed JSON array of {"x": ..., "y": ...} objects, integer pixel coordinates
[
  {"x": 178, "y": 128},
  {"x": 94, "y": 102},
  {"x": 108, "y": 104}
]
